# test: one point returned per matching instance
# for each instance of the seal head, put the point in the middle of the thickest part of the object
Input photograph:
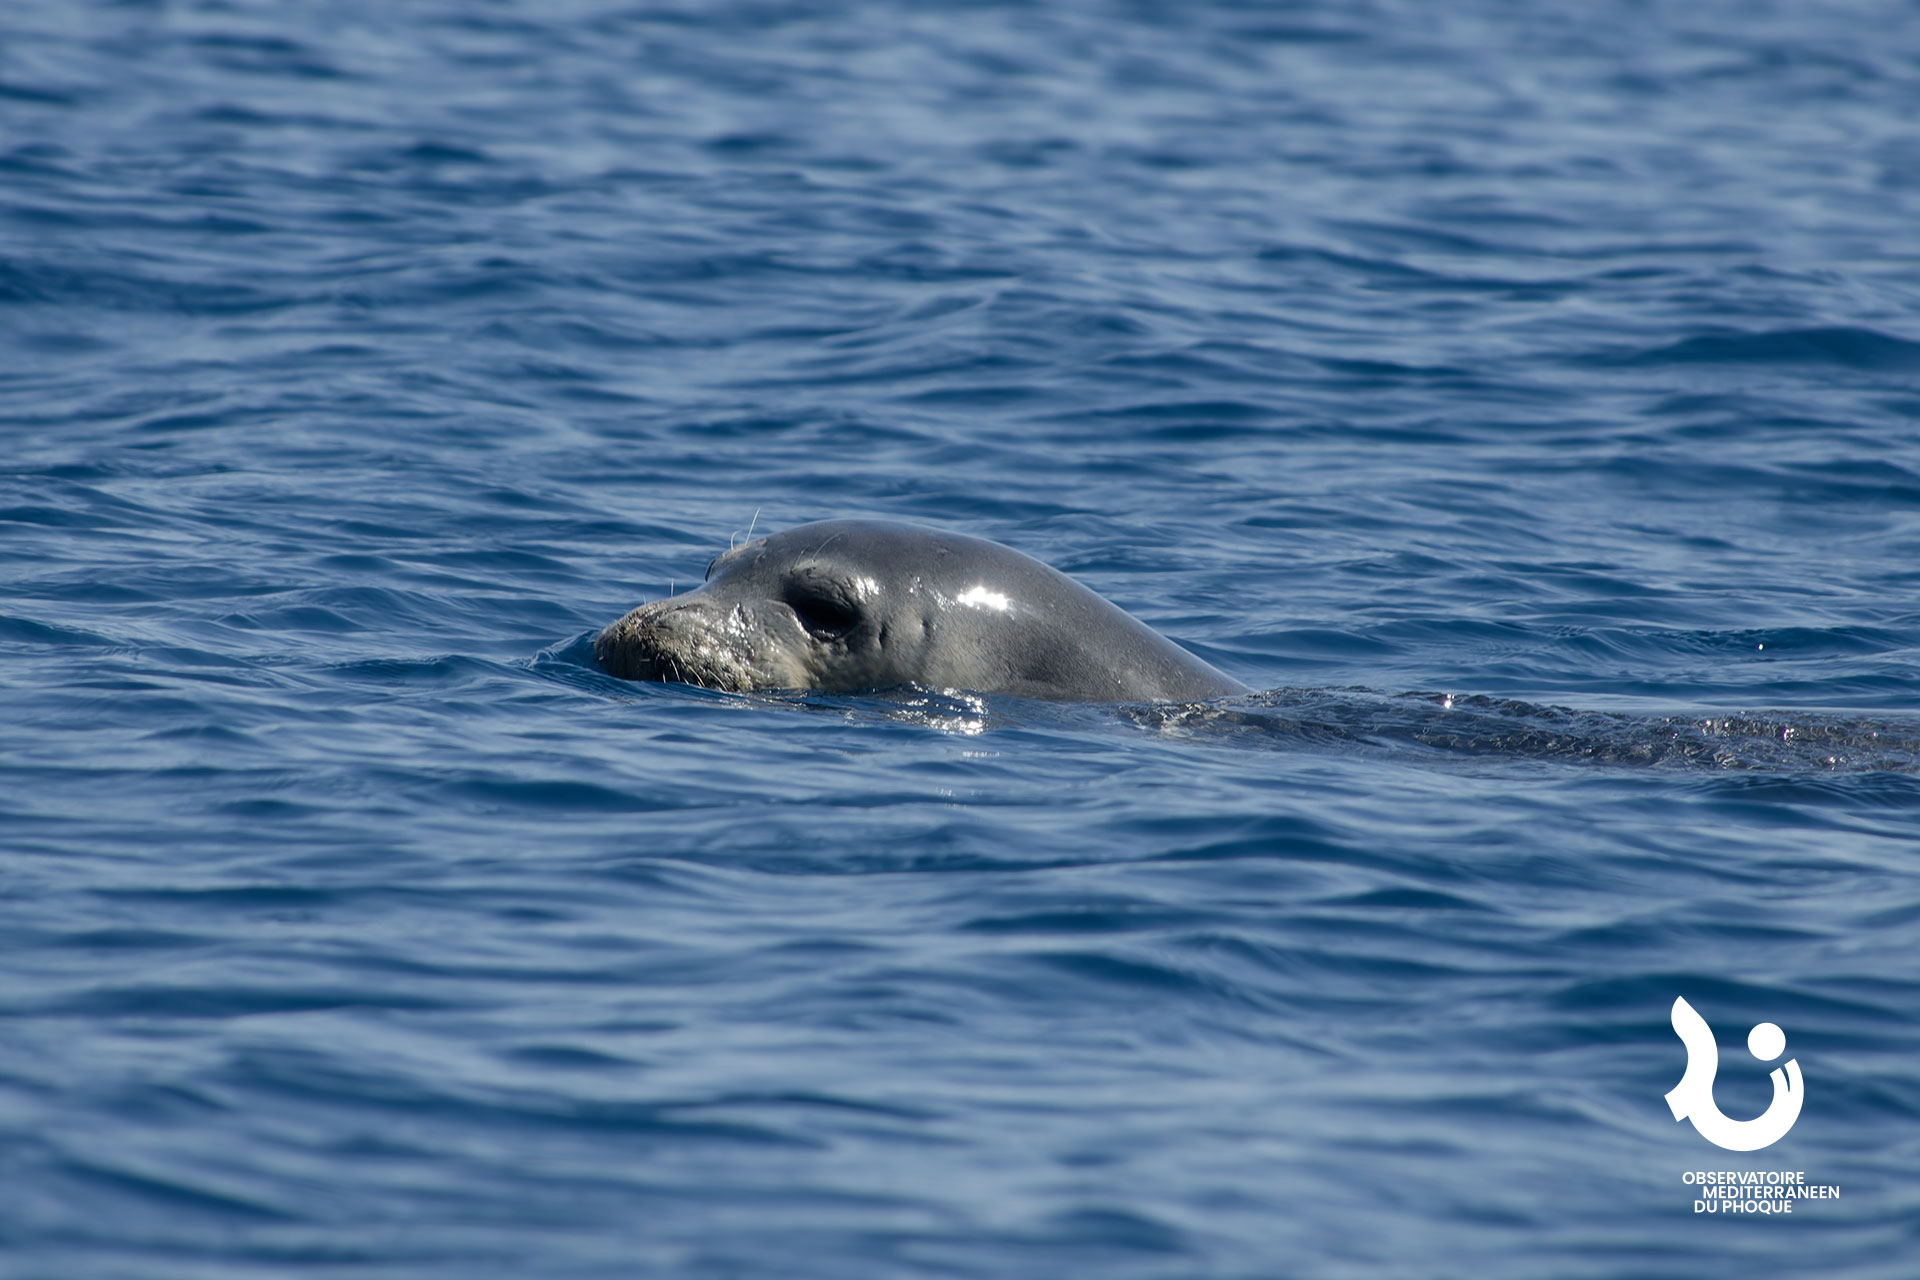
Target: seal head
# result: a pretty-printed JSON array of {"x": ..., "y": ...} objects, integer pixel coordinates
[{"x": 843, "y": 606}]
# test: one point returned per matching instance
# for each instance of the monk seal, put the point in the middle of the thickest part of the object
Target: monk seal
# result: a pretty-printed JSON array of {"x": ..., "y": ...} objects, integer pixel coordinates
[{"x": 844, "y": 606}]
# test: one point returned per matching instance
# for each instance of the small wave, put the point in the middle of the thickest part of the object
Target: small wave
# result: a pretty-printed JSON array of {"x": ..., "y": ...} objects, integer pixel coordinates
[{"x": 1849, "y": 348}]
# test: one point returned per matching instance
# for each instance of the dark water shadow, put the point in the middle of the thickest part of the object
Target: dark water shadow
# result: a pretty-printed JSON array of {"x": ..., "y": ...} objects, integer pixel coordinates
[{"x": 1440, "y": 726}]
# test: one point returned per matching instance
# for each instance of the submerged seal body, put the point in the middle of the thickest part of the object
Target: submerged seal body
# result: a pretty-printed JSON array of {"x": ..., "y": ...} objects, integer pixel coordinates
[{"x": 847, "y": 605}]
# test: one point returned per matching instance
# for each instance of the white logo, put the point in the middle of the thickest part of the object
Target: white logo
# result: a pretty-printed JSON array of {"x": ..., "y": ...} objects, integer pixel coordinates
[{"x": 1692, "y": 1098}]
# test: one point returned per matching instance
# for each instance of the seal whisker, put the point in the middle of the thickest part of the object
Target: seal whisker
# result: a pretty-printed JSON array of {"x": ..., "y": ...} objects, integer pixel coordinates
[{"x": 750, "y": 524}]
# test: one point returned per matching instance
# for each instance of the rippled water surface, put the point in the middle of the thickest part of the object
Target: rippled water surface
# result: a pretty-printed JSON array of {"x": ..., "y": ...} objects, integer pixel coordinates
[{"x": 1522, "y": 400}]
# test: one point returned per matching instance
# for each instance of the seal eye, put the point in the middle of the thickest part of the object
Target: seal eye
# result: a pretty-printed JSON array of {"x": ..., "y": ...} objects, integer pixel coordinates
[{"x": 823, "y": 614}]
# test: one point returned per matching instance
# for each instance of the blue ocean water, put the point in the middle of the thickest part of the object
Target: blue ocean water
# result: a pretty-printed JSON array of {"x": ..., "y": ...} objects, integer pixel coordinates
[{"x": 1522, "y": 399}]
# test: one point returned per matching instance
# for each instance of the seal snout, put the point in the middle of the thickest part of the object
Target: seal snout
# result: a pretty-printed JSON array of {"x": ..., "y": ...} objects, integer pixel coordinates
[{"x": 661, "y": 640}]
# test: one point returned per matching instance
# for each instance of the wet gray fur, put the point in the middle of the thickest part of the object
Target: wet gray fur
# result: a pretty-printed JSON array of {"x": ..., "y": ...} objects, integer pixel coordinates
[{"x": 844, "y": 606}]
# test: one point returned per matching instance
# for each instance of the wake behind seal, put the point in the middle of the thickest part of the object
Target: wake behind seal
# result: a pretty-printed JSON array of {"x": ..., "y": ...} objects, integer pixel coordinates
[{"x": 844, "y": 606}]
